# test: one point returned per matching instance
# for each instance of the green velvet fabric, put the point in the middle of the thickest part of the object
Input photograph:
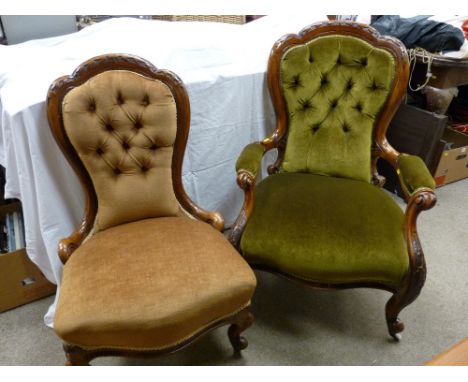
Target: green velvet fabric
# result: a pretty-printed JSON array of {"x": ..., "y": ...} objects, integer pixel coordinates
[
  {"x": 414, "y": 173},
  {"x": 334, "y": 87},
  {"x": 251, "y": 158},
  {"x": 326, "y": 229}
]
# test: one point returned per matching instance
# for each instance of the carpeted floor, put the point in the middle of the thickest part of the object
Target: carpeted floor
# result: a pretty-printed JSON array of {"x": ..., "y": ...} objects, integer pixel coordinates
[{"x": 298, "y": 326}]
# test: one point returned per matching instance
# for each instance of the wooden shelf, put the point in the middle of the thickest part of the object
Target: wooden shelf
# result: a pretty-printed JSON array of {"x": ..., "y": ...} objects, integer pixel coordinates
[{"x": 8, "y": 208}]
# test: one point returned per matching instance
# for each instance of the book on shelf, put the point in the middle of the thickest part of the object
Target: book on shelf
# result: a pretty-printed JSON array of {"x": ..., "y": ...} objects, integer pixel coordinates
[
  {"x": 12, "y": 237},
  {"x": 3, "y": 238},
  {"x": 19, "y": 242}
]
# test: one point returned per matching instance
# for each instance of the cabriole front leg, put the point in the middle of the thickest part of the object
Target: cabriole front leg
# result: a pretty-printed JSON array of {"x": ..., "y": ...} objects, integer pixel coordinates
[{"x": 411, "y": 286}]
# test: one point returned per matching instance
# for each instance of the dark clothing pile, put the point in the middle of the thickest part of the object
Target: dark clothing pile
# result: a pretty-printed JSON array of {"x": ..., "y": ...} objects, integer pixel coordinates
[{"x": 418, "y": 31}]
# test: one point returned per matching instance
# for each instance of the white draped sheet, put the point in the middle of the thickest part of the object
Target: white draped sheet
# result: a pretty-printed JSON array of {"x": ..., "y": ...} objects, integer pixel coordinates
[{"x": 223, "y": 67}]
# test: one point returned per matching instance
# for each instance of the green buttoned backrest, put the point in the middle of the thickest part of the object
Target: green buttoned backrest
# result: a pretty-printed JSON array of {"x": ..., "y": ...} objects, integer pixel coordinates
[{"x": 334, "y": 87}]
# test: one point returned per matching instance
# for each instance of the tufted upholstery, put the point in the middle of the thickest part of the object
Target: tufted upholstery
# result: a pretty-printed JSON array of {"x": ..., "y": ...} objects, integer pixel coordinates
[
  {"x": 334, "y": 87},
  {"x": 123, "y": 127}
]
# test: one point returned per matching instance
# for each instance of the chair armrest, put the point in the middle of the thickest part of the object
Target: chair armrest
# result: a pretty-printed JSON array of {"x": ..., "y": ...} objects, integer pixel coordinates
[
  {"x": 413, "y": 173},
  {"x": 250, "y": 159},
  {"x": 247, "y": 167}
]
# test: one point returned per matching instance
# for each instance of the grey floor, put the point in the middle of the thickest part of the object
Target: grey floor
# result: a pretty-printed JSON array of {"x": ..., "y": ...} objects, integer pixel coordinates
[{"x": 298, "y": 326}]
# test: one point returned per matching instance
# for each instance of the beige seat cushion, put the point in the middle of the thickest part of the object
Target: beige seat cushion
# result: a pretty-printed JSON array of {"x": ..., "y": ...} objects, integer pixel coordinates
[{"x": 150, "y": 284}]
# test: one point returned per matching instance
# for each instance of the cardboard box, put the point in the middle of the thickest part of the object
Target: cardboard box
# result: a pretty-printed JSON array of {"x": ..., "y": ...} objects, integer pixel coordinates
[
  {"x": 21, "y": 281},
  {"x": 453, "y": 163}
]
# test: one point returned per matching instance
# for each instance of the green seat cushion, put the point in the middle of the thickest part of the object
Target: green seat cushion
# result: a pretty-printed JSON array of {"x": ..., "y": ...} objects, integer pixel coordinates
[{"x": 326, "y": 229}]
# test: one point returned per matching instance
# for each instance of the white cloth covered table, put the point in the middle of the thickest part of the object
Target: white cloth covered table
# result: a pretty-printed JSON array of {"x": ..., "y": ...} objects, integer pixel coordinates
[{"x": 223, "y": 67}]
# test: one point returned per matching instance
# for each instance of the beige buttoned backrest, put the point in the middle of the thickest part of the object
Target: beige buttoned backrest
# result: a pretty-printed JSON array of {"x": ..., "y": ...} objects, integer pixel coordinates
[{"x": 123, "y": 126}]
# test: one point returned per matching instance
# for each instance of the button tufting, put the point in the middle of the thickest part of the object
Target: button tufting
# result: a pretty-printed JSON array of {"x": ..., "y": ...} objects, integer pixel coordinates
[
  {"x": 346, "y": 128},
  {"x": 145, "y": 101},
  {"x": 363, "y": 61},
  {"x": 120, "y": 99},
  {"x": 153, "y": 147},
  {"x": 374, "y": 86},
  {"x": 296, "y": 81},
  {"x": 144, "y": 169},
  {"x": 338, "y": 60},
  {"x": 109, "y": 127},
  {"x": 92, "y": 106},
  {"x": 358, "y": 107},
  {"x": 99, "y": 151},
  {"x": 334, "y": 103},
  {"x": 311, "y": 59},
  {"x": 349, "y": 85},
  {"x": 125, "y": 145},
  {"x": 117, "y": 171},
  {"x": 324, "y": 80},
  {"x": 138, "y": 125},
  {"x": 306, "y": 104},
  {"x": 315, "y": 128}
]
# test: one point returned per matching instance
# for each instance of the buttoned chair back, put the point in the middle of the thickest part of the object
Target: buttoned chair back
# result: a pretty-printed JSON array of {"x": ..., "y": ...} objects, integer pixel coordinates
[
  {"x": 334, "y": 88},
  {"x": 334, "y": 94},
  {"x": 123, "y": 125}
]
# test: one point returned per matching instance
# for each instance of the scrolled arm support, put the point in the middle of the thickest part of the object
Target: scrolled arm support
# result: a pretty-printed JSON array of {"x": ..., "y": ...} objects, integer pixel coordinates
[
  {"x": 246, "y": 182},
  {"x": 67, "y": 246},
  {"x": 214, "y": 218},
  {"x": 247, "y": 166},
  {"x": 422, "y": 199}
]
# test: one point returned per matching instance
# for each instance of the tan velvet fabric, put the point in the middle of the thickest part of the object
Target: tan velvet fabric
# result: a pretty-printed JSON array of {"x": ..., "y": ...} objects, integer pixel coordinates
[
  {"x": 150, "y": 284},
  {"x": 123, "y": 127}
]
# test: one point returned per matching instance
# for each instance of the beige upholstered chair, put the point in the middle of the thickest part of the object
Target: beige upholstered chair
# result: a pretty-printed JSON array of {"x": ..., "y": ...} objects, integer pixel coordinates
[{"x": 147, "y": 271}]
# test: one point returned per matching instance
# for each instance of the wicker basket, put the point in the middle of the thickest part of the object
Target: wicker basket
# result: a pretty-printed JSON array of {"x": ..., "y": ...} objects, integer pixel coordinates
[{"x": 231, "y": 19}]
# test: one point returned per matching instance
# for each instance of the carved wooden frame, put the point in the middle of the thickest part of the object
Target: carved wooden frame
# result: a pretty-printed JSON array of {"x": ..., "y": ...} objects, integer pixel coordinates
[
  {"x": 57, "y": 91},
  {"x": 421, "y": 199}
]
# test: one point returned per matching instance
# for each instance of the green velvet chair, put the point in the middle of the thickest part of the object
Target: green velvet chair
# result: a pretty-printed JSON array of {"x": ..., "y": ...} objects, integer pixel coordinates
[{"x": 321, "y": 216}]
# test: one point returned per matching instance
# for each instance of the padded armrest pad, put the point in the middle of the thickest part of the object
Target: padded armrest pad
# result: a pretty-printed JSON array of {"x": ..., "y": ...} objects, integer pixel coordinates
[
  {"x": 414, "y": 173},
  {"x": 250, "y": 158}
]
